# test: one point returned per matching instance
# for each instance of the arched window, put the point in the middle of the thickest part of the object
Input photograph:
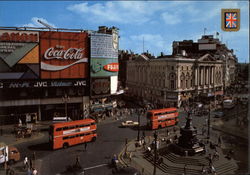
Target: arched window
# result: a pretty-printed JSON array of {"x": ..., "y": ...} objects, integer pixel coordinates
[
  {"x": 188, "y": 79},
  {"x": 172, "y": 78},
  {"x": 182, "y": 78}
]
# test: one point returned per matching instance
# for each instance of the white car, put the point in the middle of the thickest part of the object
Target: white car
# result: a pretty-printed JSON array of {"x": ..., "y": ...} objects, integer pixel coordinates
[{"x": 129, "y": 123}]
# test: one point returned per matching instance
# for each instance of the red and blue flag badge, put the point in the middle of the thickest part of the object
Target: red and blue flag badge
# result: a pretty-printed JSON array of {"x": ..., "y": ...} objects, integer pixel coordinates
[{"x": 230, "y": 19}]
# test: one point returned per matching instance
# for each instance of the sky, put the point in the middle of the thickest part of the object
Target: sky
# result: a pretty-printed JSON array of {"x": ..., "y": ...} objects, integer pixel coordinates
[{"x": 143, "y": 25}]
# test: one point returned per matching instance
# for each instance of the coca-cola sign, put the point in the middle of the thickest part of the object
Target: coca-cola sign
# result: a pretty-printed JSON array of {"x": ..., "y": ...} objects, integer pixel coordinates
[{"x": 59, "y": 52}]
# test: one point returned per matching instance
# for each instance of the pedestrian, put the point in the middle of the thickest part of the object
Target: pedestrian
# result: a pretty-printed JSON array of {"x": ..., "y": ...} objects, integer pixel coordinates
[
  {"x": 203, "y": 130},
  {"x": 29, "y": 171},
  {"x": 175, "y": 137},
  {"x": 213, "y": 171},
  {"x": 219, "y": 141},
  {"x": 78, "y": 162},
  {"x": 143, "y": 134},
  {"x": 34, "y": 172},
  {"x": 130, "y": 156},
  {"x": 85, "y": 146},
  {"x": 167, "y": 132},
  {"x": 203, "y": 170},
  {"x": 19, "y": 122},
  {"x": 115, "y": 161},
  {"x": 185, "y": 170},
  {"x": 25, "y": 163},
  {"x": 216, "y": 155},
  {"x": 174, "y": 129},
  {"x": 30, "y": 163},
  {"x": 7, "y": 169},
  {"x": 210, "y": 159}
]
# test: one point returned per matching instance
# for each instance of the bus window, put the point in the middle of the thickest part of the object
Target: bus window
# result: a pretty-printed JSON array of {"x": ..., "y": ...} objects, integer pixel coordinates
[
  {"x": 58, "y": 129},
  {"x": 65, "y": 128},
  {"x": 64, "y": 138},
  {"x": 71, "y": 127}
]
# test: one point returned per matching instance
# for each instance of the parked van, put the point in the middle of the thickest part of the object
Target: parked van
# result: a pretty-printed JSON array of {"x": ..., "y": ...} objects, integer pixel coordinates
[{"x": 8, "y": 154}]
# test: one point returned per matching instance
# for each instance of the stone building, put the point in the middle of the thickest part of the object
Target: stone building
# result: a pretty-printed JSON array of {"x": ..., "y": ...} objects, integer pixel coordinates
[
  {"x": 213, "y": 46},
  {"x": 171, "y": 79}
]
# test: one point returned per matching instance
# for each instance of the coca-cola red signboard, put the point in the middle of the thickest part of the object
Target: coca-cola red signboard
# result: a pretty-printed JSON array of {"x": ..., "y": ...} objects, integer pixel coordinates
[{"x": 64, "y": 55}]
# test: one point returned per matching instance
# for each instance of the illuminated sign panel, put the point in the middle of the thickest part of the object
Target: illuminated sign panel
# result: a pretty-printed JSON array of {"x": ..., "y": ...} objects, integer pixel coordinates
[
  {"x": 100, "y": 87},
  {"x": 19, "y": 36},
  {"x": 19, "y": 49},
  {"x": 104, "y": 55},
  {"x": 64, "y": 55}
]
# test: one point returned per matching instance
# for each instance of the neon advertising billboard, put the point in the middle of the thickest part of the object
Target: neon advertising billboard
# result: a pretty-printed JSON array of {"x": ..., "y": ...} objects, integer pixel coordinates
[
  {"x": 19, "y": 55},
  {"x": 104, "y": 55},
  {"x": 64, "y": 55}
]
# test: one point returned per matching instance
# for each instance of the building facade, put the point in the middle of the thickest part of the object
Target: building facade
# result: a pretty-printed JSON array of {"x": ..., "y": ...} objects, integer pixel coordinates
[
  {"x": 53, "y": 72},
  {"x": 168, "y": 81}
]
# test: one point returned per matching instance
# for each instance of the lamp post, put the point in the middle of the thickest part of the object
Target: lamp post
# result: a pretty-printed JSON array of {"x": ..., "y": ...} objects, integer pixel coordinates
[
  {"x": 208, "y": 124},
  {"x": 65, "y": 99},
  {"x": 155, "y": 151},
  {"x": 138, "y": 134}
]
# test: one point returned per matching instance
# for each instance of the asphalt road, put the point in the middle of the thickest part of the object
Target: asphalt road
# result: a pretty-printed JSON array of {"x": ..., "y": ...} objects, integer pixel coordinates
[{"x": 110, "y": 141}]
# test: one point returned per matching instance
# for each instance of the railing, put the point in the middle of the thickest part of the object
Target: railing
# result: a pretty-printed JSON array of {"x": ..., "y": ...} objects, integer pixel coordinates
[{"x": 41, "y": 28}]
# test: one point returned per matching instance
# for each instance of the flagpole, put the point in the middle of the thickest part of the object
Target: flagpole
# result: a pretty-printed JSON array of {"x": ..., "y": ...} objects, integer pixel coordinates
[
  {"x": 205, "y": 30},
  {"x": 143, "y": 45}
]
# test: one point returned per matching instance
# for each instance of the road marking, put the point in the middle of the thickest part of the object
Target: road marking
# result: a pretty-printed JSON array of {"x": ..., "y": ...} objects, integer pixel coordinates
[{"x": 95, "y": 166}]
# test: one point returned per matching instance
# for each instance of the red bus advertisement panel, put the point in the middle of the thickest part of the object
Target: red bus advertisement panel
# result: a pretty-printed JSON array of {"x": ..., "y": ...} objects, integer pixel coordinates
[
  {"x": 160, "y": 118},
  {"x": 65, "y": 134},
  {"x": 64, "y": 55}
]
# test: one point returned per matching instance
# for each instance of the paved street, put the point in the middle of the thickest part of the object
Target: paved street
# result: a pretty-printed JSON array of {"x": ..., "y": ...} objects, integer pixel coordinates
[{"x": 96, "y": 160}]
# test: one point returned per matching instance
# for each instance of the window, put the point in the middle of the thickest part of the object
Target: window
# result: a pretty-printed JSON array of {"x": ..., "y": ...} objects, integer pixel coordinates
[
  {"x": 71, "y": 137},
  {"x": 71, "y": 127},
  {"x": 65, "y": 138},
  {"x": 65, "y": 128},
  {"x": 58, "y": 129},
  {"x": 172, "y": 84}
]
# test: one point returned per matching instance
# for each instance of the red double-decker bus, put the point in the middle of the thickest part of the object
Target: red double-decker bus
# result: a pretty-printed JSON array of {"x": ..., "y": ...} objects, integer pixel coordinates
[
  {"x": 160, "y": 118},
  {"x": 65, "y": 134}
]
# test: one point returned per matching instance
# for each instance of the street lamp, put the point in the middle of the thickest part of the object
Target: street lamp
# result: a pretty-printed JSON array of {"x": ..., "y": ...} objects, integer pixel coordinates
[
  {"x": 208, "y": 124},
  {"x": 155, "y": 151},
  {"x": 139, "y": 118},
  {"x": 65, "y": 99}
]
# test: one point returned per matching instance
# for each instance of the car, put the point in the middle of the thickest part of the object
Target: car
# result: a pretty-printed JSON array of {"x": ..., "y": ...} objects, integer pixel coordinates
[
  {"x": 129, "y": 123},
  {"x": 219, "y": 114}
]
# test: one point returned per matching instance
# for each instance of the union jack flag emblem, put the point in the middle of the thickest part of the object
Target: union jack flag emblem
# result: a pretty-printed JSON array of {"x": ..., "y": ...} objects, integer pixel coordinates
[{"x": 231, "y": 20}]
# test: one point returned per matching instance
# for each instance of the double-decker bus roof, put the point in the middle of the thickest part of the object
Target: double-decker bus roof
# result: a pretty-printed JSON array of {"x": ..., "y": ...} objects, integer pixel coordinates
[
  {"x": 88, "y": 120},
  {"x": 162, "y": 110}
]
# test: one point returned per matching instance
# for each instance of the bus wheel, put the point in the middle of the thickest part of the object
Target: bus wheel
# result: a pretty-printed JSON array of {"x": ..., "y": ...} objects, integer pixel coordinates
[
  {"x": 65, "y": 145},
  {"x": 93, "y": 139}
]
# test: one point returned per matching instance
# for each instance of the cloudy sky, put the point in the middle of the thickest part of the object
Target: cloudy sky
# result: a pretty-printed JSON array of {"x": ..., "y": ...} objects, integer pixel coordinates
[{"x": 158, "y": 23}]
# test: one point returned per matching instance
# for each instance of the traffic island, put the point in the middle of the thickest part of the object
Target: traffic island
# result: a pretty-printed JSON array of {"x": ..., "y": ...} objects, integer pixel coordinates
[{"x": 192, "y": 160}]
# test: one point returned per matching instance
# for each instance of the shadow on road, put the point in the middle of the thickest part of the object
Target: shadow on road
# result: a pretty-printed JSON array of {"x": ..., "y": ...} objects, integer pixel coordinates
[{"x": 40, "y": 147}]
